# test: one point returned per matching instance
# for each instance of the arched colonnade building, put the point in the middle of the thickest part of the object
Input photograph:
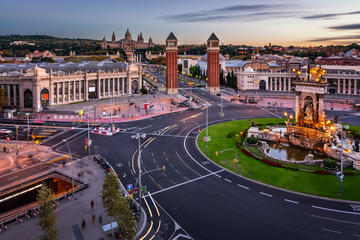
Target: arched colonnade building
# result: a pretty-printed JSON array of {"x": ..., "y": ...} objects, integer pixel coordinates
[{"x": 30, "y": 87}]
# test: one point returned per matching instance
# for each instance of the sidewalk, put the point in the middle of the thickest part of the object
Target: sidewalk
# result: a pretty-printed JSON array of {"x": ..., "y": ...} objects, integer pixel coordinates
[
  {"x": 71, "y": 212},
  {"x": 28, "y": 154},
  {"x": 125, "y": 108}
]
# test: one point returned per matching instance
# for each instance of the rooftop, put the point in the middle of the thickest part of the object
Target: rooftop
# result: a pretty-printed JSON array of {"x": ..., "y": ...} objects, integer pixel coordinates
[
  {"x": 15, "y": 68},
  {"x": 171, "y": 37}
]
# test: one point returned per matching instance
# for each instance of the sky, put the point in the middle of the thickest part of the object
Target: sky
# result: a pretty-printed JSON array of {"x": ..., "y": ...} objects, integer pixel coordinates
[{"x": 251, "y": 22}]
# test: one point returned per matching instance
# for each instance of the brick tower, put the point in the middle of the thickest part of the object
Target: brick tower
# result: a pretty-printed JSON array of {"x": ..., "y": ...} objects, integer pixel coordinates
[
  {"x": 171, "y": 64},
  {"x": 213, "y": 73}
]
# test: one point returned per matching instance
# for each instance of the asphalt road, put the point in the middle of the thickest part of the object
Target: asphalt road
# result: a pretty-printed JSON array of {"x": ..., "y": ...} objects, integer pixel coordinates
[{"x": 195, "y": 199}]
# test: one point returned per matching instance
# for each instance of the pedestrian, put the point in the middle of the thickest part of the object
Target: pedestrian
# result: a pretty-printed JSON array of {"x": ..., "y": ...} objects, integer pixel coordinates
[
  {"x": 93, "y": 217},
  {"x": 100, "y": 219},
  {"x": 92, "y": 204},
  {"x": 83, "y": 223}
]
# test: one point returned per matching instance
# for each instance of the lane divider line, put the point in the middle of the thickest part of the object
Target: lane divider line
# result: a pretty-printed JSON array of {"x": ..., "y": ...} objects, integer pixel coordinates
[
  {"x": 332, "y": 231},
  {"x": 227, "y": 180},
  {"x": 265, "y": 194},
  {"x": 336, "y": 220},
  {"x": 157, "y": 210},
  {"x": 290, "y": 201},
  {"x": 147, "y": 204},
  {"x": 148, "y": 231},
  {"x": 190, "y": 181},
  {"x": 157, "y": 230},
  {"x": 334, "y": 210},
  {"x": 242, "y": 186}
]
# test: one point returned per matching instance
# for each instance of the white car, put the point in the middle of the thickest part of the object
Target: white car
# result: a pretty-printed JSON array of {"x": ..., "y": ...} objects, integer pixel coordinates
[{"x": 7, "y": 131}]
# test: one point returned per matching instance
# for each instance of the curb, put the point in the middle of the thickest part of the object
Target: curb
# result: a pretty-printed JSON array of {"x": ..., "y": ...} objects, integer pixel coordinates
[{"x": 271, "y": 186}]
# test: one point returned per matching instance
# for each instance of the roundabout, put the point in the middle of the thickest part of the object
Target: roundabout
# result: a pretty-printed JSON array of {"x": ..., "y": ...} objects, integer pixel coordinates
[{"x": 295, "y": 177}]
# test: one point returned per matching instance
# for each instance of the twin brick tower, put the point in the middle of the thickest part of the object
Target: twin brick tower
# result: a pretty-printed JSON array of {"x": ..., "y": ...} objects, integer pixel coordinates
[{"x": 213, "y": 66}]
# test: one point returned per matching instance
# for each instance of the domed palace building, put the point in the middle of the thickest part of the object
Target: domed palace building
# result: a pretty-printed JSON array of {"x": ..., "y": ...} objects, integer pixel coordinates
[{"x": 127, "y": 43}]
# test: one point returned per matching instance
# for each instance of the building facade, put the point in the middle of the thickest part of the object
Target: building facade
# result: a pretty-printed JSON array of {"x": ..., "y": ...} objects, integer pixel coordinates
[
  {"x": 30, "y": 87},
  {"x": 127, "y": 42},
  {"x": 340, "y": 79}
]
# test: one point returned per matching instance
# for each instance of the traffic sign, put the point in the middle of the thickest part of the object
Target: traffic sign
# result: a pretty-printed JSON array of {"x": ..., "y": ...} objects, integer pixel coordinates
[
  {"x": 129, "y": 187},
  {"x": 143, "y": 189},
  {"x": 88, "y": 142},
  {"x": 221, "y": 114}
]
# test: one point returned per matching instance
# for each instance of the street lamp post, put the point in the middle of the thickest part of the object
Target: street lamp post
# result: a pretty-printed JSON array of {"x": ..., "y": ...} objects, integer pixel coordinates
[
  {"x": 28, "y": 127},
  {"x": 17, "y": 146},
  {"x": 231, "y": 149},
  {"x": 88, "y": 118},
  {"x": 138, "y": 136},
  {"x": 207, "y": 122},
  {"x": 341, "y": 158},
  {"x": 221, "y": 106},
  {"x": 72, "y": 168},
  {"x": 111, "y": 112}
]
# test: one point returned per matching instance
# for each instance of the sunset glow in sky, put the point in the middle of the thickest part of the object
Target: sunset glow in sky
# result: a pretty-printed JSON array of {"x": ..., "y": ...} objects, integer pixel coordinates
[{"x": 252, "y": 22}]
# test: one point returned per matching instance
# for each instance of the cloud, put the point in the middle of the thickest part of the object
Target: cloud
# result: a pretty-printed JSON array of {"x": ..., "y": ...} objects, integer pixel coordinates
[
  {"x": 329, "y": 15},
  {"x": 346, "y": 27},
  {"x": 338, "y": 38},
  {"x": 234, "y": 12}
]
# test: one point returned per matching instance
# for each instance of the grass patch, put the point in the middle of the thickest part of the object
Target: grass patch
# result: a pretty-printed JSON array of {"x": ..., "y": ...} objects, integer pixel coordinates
[{"x": 310, "y": 183}]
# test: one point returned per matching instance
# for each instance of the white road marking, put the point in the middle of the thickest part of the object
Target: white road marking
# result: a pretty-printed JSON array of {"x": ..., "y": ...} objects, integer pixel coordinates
[
  {"x": 173, "y": 182},
  {"x": 181, "y": 236},
  {"x": 334, "y": 210},
  {"x": 336, "y": 220},
  {"x": 290, "y": 201},
  {"x": 171, "y": 165},
  {"x": 265, "y": 194},
  {"x": 329, "y": 230},
  {"x": 186, "y": 164},
  {"x": 243, "y": 187},
  {"x": 268, "y": 111},
  {"x": 227, "y": 180},
  {"x": 355, "y": 207},
  {"x": 190, "y": 181},
  {"x": 356, "y": 235}
]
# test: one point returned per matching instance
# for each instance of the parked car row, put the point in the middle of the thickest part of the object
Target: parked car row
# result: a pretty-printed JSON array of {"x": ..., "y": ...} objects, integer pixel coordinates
[{"x": 104, "y": 164}]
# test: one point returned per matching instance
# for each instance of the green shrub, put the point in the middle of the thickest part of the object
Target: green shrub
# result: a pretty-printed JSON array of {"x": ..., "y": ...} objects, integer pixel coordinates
[
  {"x": 230, "y": 135},
  {"x": 143, "y": 90},
  {"x": 251, "y": 140},
  {"x": 329, "y": 163}
]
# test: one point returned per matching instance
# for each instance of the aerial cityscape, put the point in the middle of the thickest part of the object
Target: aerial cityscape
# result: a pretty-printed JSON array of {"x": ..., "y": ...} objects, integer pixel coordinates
[{"x": 166, "y": 120}]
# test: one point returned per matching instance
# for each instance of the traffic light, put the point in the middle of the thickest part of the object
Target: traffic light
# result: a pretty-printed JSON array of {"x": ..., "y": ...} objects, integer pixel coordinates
[
  {"x": 7, "y": 139},
  {"x": 85, "y": 147},
  {"x": 164, "y": 168}
]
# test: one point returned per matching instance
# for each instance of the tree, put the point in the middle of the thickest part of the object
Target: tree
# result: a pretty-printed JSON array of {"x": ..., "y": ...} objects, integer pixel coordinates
[
  {"x": 222, "y": 82},
  {"x": 143, "y": 90},
  {"x": 118, "y": 206},
  {"x": 47, "y": 222},
  {"x": 180, "y": 68}
]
